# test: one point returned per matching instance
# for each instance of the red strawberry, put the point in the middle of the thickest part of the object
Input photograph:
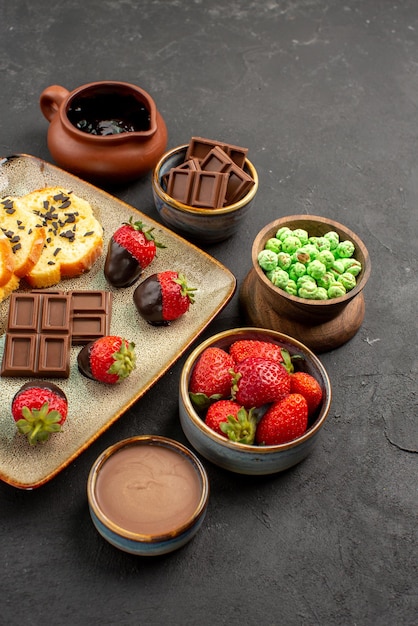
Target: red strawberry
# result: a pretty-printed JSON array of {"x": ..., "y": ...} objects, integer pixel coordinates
[
  {"x": 39, "y": 409},
  {"x": 283, "y": 421},
  {"x": 231, "y": 420},
  {"x": 131, "y": 249},
  {"x": 258, "y": 381},
  {"x": 308, "y": 387},
  {"x": 163, "y": 297},
  {"x": 109, "y": 359},
  {"x": 243, "y": 348},
  {"x": 211, "y": 377}
]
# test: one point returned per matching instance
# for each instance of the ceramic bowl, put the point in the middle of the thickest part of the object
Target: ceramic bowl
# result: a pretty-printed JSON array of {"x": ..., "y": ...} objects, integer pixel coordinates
[
  {"x": 320, "y": 324},
  {"x": 203, "y": 225},
  {"x": 252, "y": 459},
  {"x": 147, "y": 495}
]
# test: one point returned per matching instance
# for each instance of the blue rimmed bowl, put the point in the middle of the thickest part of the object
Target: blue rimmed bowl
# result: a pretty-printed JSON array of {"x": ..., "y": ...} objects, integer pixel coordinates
[
  {"x": 243, "y": 458},
  {"x": 147, "y": 495},
  {"x": 202, "y": 225}
]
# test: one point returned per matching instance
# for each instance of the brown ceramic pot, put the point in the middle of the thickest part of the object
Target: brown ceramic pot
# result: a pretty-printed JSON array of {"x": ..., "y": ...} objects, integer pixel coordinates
[{"x": 136, "y": 139}]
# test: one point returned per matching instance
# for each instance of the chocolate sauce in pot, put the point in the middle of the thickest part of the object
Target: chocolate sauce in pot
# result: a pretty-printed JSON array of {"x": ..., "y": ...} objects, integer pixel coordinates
[{"x": 109, "y": 114}]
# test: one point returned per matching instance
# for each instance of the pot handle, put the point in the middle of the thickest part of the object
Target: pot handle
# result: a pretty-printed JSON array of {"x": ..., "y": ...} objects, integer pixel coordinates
[{"x": 51, "y": 99}]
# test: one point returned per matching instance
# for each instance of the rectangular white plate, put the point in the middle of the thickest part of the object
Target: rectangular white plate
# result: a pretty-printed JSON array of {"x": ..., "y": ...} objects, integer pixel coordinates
[{"x": 93, "y": 406}]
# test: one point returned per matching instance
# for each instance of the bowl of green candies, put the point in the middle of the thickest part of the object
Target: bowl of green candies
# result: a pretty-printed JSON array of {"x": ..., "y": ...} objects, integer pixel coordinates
[{"x": 307, "y": 279}]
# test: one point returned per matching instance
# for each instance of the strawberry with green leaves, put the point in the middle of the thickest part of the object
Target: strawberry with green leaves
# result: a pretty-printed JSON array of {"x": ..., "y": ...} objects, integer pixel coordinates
[
  {"x": 39, "y": 410},
  {"x": 163, "y": 297},
  {"x": 230, "y": 420},
  {"x": 109, "y": 359},
  {"x": 211, "y": 378},
  {"x": 258, "y": 381},
  {"x": 243, "y": 348},
  {"x": 131, "y": 249},
  {"x": 308, "y": 387},
  {"x": 283, "y": 421}
]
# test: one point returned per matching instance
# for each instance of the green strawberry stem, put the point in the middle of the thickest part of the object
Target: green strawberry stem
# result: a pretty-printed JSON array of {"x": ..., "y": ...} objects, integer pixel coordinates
[
  {"x": 124, "y": 360},
  {"x": 242, "y": 428},
  {"x": 289, "y": 360},
  {"x": 185, "y": 289},
  {"x": 38, "y": 424},
  {"x": 201, "y": 401},
  {"x": 148, "y": 234}
]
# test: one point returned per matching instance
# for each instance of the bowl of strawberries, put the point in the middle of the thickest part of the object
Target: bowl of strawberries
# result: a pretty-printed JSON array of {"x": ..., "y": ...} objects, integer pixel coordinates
[{"x": 253, "y": 401}]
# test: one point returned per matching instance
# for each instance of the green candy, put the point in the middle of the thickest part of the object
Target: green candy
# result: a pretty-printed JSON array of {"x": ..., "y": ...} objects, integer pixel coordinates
[
  {"x": 290, "y": 244},
  {"x": 267, "y": 260},
  {"x": 284, "y": 260},
  {"x": 337, "y": 267},
  {"x": 348, "y": 280},
  {"x": 322, "y": 243},
  {"x": 345, "y": 249},
  {"x": 326, "y": 280},
  {"x": 333, "y": 238},
  {"x": 302, "y": 235},
  {"x": 291, "y": 288},
  {"x": 336, "y": 290},
  {"x": 308, "y": 290},
  {"x": 296, "y": 270},
  {"x": 273, "y": 244},
  {"x": 352, "y": 266},
  {"x": 321, "y": 294},
  {"x": 326, "y": 257},
  {"x": 278, "y": 277},
  {"x": 316, "y": 269},
  {"x": 305, "y": 279},
  {"x": 283, "y": 232}
]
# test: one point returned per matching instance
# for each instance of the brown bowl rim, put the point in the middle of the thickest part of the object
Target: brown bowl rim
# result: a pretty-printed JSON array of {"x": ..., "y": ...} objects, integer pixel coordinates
[
  {"x": 185, "y": 208},
  {"x": 262, "y": 237}
]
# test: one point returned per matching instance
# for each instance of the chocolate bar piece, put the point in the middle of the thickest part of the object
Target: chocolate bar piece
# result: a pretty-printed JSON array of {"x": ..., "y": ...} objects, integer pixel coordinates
[
  {"x": 90, "y": 315},
  {"x": 199, "y": 148},
  {"x": 239, "y": 182},
  {"x": 209, "y": 189},
  {"x": 38, "y": 340},
  {"x": 180, "y": 184}
]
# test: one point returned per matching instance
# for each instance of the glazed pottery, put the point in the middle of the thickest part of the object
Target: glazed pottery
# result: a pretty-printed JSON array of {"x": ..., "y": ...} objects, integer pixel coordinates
[
  {"x": 147, "y": 495},
  {"x": 106, "y": 132},
  {"x": 252, "y": 459},
  {"x": 321, "y": 325},
  {"x": 205, "y": 226}
]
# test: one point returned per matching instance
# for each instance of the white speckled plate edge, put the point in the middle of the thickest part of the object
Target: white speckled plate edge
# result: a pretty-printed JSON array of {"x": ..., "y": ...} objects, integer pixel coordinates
[{"x": 93, "y": 406}]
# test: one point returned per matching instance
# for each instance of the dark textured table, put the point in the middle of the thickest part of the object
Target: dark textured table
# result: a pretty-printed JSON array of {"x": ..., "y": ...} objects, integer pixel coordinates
[{"x": 325, "y": 96}]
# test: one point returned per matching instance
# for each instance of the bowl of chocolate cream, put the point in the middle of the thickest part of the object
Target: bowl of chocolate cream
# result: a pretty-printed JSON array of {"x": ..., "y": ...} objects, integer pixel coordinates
[{"x": 147, "y": 495}]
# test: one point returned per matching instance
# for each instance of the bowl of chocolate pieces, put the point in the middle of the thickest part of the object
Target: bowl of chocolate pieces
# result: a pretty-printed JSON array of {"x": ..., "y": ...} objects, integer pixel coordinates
[{"x": 204, "y": 189}]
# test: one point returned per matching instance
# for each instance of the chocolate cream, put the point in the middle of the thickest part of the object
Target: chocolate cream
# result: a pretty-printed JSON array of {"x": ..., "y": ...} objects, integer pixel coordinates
[{"x": 148, "y": 489}]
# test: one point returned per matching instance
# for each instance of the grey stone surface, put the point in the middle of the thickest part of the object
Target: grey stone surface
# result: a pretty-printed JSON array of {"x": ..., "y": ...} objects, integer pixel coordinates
[{"x": 325, "y": 96}]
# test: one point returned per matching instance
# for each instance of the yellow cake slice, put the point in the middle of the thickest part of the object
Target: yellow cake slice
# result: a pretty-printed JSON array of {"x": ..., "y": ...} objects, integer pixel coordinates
[
  {"x": 74, "y": 237},
  {"x": 26, "y": 236}
]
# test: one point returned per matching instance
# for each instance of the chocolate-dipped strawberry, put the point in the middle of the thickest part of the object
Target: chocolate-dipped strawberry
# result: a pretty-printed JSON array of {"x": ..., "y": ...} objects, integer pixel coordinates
[
  {"x": 163, "y": 297},
  {"x": 39, "y": 409},
  {"x": 108, "y": 359},
  {"x": 131, "y": 249}
]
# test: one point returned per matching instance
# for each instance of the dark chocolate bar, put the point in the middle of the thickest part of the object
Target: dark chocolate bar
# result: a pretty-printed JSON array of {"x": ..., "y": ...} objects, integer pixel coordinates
[
  {"x": 90, "y": 316},
  {"x": 43, "y": 324},
  {"x": 38, "y": 340},
  {"x": 199, "y": 148}
]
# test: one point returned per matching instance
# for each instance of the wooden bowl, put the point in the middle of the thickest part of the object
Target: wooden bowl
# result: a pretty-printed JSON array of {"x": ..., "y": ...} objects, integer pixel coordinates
[{"x": 320, "y": 324}]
